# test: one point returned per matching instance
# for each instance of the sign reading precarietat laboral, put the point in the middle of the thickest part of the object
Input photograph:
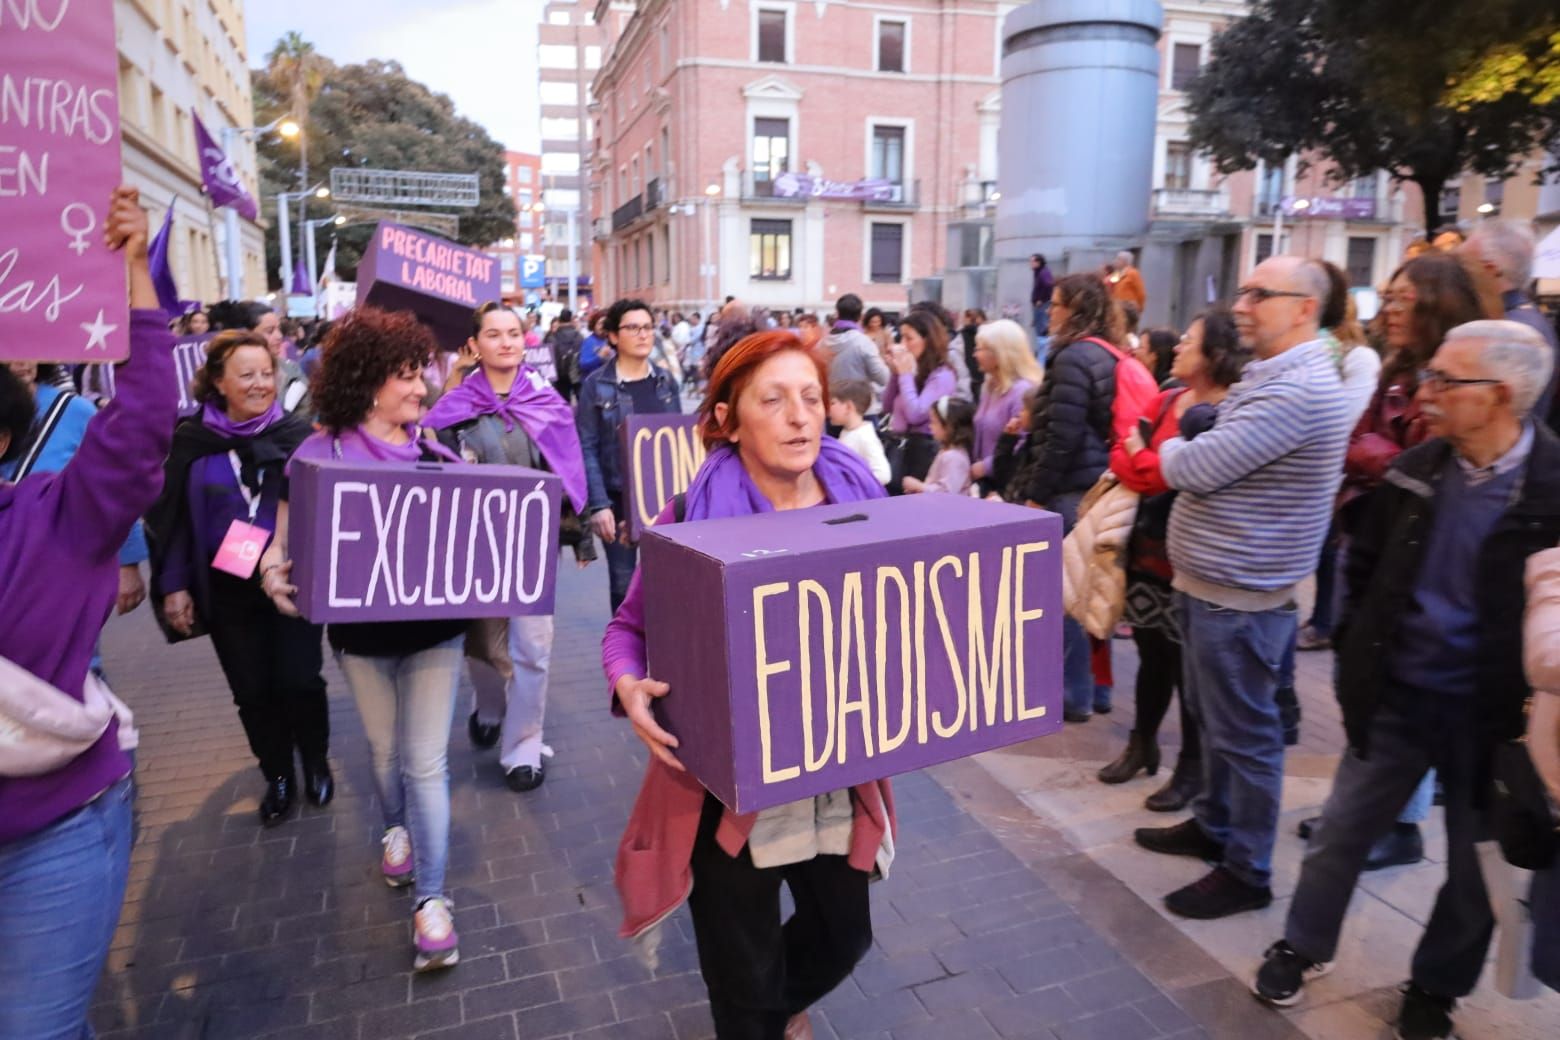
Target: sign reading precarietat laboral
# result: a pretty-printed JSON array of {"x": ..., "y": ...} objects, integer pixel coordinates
[
  {"x": 661, "y": 454},
  {"x": 441, "y": 282},
  {"x": 814, "y": 649},
  {"x": 63, "y": 295},
  {"x": 403, "y": 541}
]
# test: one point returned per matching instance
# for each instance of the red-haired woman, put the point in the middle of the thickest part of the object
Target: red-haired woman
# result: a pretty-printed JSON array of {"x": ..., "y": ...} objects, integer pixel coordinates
[{"x": 763, "y": 422}]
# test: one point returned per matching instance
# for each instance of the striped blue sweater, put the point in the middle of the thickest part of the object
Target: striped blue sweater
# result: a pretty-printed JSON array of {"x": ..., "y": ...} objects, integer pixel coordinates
[{"x": 1257, "y": 490}]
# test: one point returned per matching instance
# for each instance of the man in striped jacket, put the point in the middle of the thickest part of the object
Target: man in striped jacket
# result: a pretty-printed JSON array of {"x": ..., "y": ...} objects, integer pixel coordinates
[{"x": 1256, "y": 496}]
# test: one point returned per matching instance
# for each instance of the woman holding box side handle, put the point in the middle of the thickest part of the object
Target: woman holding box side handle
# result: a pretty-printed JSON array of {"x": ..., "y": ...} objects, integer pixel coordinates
[
  {"x": 369, "y": 392},
  {"x": 507, "y": 413},
  {"x": 763, "y": 421},
  {"x": 65, "y": 834},
  {"x": 224, "y": 472}
]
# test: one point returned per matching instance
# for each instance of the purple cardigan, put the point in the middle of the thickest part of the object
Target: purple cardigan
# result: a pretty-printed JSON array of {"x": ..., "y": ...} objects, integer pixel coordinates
[
  {"x": 60, "y": 535},
  {"x": 911, "y": 412},
  {"x": 993, "y": 414}
]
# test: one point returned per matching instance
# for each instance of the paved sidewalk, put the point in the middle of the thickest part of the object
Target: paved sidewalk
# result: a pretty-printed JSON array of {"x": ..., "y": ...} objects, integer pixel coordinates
[{"x": 992, "y": 924}]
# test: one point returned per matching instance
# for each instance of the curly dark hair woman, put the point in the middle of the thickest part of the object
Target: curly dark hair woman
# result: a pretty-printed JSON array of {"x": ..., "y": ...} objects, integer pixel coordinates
[{"x": 364, "y": 349}]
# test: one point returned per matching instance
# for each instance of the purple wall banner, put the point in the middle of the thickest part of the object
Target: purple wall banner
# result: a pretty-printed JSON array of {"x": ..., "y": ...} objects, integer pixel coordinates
[
  {"x": 661, "y": 454},
  {"x": 1327, "y": 207},
  {"x": 442, "y": 283},
  {"x": 63, "y": 294},
  {"x": 814, "y": 649},
  {"x": 402, "y": 541},
  {"x": 801, "y": 185}
]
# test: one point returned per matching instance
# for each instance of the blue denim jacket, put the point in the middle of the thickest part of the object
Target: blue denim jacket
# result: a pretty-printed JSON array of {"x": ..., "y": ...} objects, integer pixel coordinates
[{"x": 603, "y": 405}]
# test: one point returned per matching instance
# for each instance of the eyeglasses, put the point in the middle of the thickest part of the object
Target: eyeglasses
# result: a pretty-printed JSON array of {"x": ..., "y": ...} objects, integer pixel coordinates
[
  {"x": 1258, "y": 294},
  {"x": 635, "y": 330},
  {"x": 1440, "y": 382},
  {"x": 1403, "y": 300}
]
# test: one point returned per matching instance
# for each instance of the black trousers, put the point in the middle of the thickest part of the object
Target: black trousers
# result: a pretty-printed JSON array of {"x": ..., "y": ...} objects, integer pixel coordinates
[
  {"x": 272, "y": 664},
  {"x": 1158, "y": 677},
  {"x": 758, "y": 971}
]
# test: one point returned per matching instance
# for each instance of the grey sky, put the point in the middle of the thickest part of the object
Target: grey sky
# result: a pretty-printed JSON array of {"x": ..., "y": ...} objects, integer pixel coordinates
[{"x": 482, "y": 53}]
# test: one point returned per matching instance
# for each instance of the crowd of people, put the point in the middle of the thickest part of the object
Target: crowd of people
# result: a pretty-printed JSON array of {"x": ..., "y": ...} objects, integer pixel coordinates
[{"x": 1407, "y": 463}]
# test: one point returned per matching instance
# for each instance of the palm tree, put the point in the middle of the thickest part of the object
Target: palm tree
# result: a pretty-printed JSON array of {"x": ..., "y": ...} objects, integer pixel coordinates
[{"x": 300, "y": 70}]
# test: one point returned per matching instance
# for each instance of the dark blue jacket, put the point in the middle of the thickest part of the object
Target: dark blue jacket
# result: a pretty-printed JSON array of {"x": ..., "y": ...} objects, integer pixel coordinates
[{"x": 603, "y": 405}]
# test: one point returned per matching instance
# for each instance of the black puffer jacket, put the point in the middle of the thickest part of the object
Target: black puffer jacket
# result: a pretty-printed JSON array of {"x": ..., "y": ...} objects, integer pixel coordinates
[{"x": 1069, "y": 439}]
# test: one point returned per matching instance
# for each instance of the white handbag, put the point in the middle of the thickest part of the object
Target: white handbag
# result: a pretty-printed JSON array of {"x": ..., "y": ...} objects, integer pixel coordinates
[{"x": 42, "y": 728}]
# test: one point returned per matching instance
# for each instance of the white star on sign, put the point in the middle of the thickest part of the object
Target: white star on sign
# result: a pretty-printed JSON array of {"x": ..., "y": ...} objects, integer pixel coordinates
[{"x": 97, "y": 332}]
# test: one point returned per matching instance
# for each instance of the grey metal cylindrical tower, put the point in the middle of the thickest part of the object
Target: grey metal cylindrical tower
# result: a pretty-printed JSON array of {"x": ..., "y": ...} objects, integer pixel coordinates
[{"x": 1080, "y": 90}]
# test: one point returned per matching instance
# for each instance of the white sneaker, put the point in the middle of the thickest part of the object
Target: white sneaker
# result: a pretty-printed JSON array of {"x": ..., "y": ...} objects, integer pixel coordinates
[
  {"x": 396, "y": 864},
  {"x": 436, "y": 940}
]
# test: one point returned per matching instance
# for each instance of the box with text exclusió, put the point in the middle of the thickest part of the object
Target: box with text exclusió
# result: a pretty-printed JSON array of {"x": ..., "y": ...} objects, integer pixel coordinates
[
  {"x": 404, "y": 541},
  {"x": 814, "y": 649}
]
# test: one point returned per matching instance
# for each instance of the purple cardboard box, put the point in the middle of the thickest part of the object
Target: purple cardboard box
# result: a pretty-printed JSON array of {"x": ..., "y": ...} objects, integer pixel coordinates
[
  {"x": 442, "y": 283},
  {"x": 661, "y": 454},
  {"x": 815, "y": 649},
  {"x": 401, "y": 541}
]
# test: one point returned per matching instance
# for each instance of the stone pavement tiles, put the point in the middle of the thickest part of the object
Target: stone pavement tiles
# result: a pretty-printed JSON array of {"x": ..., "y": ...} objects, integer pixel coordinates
[
  {"x": 1054, "y": 778},
  {"x": 991, "y": 925}
]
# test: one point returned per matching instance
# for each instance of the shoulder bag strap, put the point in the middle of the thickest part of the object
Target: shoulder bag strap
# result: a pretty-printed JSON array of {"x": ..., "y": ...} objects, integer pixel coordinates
[{"x": 51, "y": 421}]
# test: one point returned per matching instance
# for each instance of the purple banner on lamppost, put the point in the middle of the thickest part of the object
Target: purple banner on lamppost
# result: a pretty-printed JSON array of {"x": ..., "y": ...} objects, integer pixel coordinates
[
  {"x": 814, "y": 649},
  {"x": 220, "y": 177},
  {"x": 661, "y": 454},
  {"x": 439, "y": 281},
  {"x": 62, "y": 291},
  {"x": 403, "y": 541},
  {"x": 801, "y": 185}
]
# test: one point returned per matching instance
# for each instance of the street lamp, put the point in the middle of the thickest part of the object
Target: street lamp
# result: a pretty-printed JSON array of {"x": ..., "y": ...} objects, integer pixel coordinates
[
  {"x": 574, "y": 278},
  {"x": 284, "y": 227},
  {"x": 711, "y": 192},
  {"x": 287, "y": 128},
  {"x": 308, "y": 246}
]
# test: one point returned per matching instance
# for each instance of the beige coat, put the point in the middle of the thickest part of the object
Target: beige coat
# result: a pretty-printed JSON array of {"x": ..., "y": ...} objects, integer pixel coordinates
[
  {"x": 1094, "y": 557},
  {"x": 1541, "y": 657}
]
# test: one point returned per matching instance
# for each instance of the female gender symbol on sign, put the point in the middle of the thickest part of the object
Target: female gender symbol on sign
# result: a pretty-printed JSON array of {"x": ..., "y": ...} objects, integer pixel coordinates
[{"x": 78, "y": 235}]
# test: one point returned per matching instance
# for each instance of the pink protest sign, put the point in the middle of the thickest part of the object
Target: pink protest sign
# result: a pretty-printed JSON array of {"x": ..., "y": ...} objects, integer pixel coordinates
[
  {"x": 62, "y": 292},
  {"x": 441, "y": 282}
]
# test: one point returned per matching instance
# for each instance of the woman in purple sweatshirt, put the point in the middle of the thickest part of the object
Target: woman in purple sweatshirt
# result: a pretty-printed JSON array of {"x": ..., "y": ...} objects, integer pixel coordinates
[
  {"x": 921, "y": 377},
  {"x": 65, "y": 835}
]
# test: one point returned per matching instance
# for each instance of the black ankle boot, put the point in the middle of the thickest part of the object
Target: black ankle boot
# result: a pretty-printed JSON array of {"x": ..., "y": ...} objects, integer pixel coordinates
[
  {"x": 319, "y": 786},
  {"x": 1140, "y": 753},
  {"x": 1182, "y": 787},
  {"x": 278, "y": 801}
]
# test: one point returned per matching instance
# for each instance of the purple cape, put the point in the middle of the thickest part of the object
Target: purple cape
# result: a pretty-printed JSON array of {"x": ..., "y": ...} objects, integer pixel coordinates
[
  {"x": 358, "y": 446},
  {"x": 216, "y": 420},
  {"x": 722, "y": 486},
  {"x": 546, "y": 418}
]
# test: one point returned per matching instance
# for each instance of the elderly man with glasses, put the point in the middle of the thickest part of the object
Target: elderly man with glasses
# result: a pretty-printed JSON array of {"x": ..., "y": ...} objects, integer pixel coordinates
[
  {"x": 1430, "y": 658},
  {"x": 1256, "y": 496}
]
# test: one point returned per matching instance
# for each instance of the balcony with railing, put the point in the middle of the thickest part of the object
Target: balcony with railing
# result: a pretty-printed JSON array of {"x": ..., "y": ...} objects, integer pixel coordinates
[
  {"x": 1191, "y": 202},
  {"x": 627, "y": 213},
  {"x": 655, "y": 193},
  {"x": 761, "y": 186}
]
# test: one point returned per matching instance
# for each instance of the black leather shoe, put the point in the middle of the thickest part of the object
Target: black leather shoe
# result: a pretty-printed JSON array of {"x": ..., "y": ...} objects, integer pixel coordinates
[
  {"x": 1068, "y": 715},
  {"x": 524, "y": 778},
  {"x": 1218, "y": 894},
  {"x": 482, "y": 737},
  {"x": 278, "y": 801},
  {"x": 1308, "y": 827},
  {"x": 319, "y": 786},
  {"x": 1178, "y": 792},
  {"x": 1184, "y": 839}
]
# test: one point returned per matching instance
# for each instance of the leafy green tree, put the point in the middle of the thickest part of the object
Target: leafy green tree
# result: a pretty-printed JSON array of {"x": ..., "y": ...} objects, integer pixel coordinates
[
  {"x": 1416, "y": 89},
  {"x": 370, "y": 115}
]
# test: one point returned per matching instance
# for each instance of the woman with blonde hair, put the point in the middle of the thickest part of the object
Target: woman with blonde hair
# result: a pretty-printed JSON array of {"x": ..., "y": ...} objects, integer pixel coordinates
[{"x": 1010, "y": 372}]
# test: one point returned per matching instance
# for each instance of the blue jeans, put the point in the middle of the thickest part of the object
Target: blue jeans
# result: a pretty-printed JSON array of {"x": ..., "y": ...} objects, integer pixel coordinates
[
  {"x": 1231, "y": 661},
  {"x": 1077, "y": 661},
  {"x": 621, "y": 559},
  {"x": 407, "y": 705},
  {"x": 60, "y": 894}
]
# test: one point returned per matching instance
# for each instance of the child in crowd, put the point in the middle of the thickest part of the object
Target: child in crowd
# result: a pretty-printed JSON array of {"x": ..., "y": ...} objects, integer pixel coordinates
[
  {"x": 849, "y": 399},
  {"x": 953, "y": 424},
  {"x": 1004, "y": 458}
]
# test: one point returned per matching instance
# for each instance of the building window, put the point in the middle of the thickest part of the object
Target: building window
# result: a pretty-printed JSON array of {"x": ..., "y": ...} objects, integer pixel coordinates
[
  {"x": 523, "y": 174},
  {"x": 1362, "y": 261},
  {"x": 771, "y": 152},
  {"x": 769, "y": 250},
  {"x": 1364, "y": 187},
  {"x": 888, "y": 252},
  {"x": 888, "y": 154},
  {"x": 1264, "y": 247},
  {"x": 771, "y": 35},
  {"x": 1178, "y": 166},
  {"x": 1270, "y": 190},
  {"x": 1451, "y": 202},
  {"x": 890, "y": 46},
  {"x": 1494, "y": 195},
  {"x": 557, "y": 56},
  {"x": 649, "y": 244},
  {"x": 1186, "y": 62}
]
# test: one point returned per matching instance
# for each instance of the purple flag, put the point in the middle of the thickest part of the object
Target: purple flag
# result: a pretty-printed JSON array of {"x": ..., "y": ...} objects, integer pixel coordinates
[
  {"x": 300, "y": 282},
  {"x": 162, "y": 274},
  {"x": 219, "y": 176}
]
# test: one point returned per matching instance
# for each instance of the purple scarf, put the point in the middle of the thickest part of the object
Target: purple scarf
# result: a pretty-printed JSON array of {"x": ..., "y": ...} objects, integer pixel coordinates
[
  {"x": 546, "y": 418},
  {"x": 217, "y": 421},
  {"x": 839, "y": 325},
  {"x": 359, "y": 446},
  {"x": 722, "y": 486}
]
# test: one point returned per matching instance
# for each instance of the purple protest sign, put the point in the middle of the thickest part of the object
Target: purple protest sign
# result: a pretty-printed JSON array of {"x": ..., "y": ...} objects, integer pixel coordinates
[
  {"x": 189, "y": 355},
  {"x": 815, "y": 649},
  {"x": 800, "y": 185},
  {"x": 397, "y": 542},
  {"x": 62, "y": 291},
  {"x": 220, "y": 177},
  {"x": 439, "y": 281},
  {"x": 661, "y": 454}
]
